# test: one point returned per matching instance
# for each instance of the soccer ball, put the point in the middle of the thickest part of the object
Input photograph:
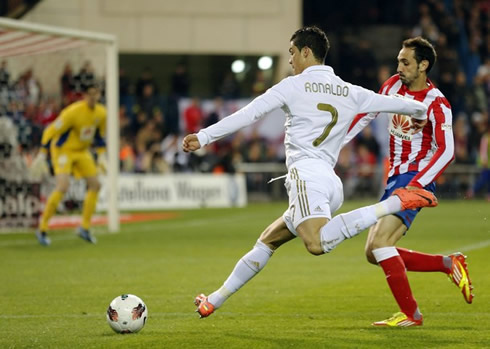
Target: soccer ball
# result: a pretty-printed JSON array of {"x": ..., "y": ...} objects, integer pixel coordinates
[{"x": 127, "y": 314}]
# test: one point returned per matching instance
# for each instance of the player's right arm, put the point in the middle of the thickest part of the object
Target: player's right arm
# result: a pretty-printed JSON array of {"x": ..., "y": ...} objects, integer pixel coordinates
[
  {"x": 272, "y": 99},
  {"x": 39, "y": 167}
]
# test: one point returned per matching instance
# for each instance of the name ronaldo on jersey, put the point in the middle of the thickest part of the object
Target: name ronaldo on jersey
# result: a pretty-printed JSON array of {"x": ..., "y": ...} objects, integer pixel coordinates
[{"x": 315, "y": 87}]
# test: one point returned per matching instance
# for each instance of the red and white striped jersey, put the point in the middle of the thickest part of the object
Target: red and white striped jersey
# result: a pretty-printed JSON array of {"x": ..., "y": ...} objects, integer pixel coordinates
[{"x": 428, "y": 152}]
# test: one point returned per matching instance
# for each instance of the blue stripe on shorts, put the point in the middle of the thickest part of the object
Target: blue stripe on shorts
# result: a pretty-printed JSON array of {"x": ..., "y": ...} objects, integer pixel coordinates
[{"x": 402, "y": 180}]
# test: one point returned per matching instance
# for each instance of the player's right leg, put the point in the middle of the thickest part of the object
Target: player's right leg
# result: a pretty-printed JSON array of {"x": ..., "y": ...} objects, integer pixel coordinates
[
  {"x": 381, "y": 250},
  {"x": 62, "y": 184},
  {"x": 246, "y": 268}
]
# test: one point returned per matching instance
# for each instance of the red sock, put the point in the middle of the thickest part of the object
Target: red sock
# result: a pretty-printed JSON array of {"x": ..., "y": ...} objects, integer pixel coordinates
[
  {"x": 396, "y": 277},
  {"x": 417, "y": 261}
]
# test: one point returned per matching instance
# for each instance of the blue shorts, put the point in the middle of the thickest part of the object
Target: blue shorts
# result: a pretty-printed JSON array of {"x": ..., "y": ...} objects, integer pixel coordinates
[{"x": 402, "y": 180}]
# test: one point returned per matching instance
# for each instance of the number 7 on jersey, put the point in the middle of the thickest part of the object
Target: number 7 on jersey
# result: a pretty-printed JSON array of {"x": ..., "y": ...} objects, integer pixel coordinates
[{"x": 326, "y": 131}]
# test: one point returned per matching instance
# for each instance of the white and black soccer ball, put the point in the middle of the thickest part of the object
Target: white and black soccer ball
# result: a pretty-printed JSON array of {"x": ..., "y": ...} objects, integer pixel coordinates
[{"x": 127, "y": 314}]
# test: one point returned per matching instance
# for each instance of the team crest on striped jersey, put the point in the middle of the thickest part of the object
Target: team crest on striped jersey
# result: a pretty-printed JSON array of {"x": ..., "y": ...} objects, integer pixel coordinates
[{"x": 400, "y": 127}]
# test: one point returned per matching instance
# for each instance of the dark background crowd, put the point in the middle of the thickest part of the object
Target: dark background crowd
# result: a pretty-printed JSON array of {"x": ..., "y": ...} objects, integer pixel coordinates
[{"x": 365, "y": 38}]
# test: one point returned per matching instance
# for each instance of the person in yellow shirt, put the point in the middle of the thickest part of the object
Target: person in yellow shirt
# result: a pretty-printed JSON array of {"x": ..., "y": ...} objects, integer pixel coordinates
[{"x": 68, "y": 139}]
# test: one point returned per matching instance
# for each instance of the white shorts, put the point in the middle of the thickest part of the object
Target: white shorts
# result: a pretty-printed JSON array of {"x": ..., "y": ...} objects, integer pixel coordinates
[{"x": 314, "y": 191}]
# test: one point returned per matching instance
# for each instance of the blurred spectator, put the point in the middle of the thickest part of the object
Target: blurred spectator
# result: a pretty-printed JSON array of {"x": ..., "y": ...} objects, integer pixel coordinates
[
  {"x": 180, "y": 81},
  {"x": 4, "y": 76},
  {"x": 124, "y": 84},
  {"x": 47, "y": 111},
  {"x": 138, "y": 122},
  {"x": 148, "y": 101},
  {"x": 127, "y": 157},
  {"x": 384, "y": 73},
  {"x": 460, "y": 129},
  {"x": 483, "y": 74},
  {"x": 171, "y": 116},
  {"x": 472, "y": 61},
  {"x": 365, "y": 69},
  {"x": 260, "y": 85},
  {"x": 229, "y": 88},
  {"x": 193, "y": 116},
  {"x": 67, "y": 82},
  {"x": 483, "y": 160},
  {"x": 146, "y": 79},
  {"x": 34, "y": 88},
  {"x": 85, "y": 77},
  {"x": 345, "y": 169},
  {"x": 366, "y": 139},
  {"x": 216, "y": 114},
  {"x": 366, "y": 168},
  {"x": 459, "y": 94},
  {"x": 125, "y": 124}
]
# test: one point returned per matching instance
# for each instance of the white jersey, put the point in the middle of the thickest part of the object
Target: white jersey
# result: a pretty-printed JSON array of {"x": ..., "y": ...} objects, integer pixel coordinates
[{"x": 319, "y": 108}]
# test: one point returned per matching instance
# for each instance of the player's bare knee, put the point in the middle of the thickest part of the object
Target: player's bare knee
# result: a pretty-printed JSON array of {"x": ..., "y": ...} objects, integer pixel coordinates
[
  {"x": 368, "y": 251},
  {"x": 370, "y": 257},
  {"x": 93, "y": 184},
  {"x": 62, "y": 186},
  {"x": 314, "y": 248}
]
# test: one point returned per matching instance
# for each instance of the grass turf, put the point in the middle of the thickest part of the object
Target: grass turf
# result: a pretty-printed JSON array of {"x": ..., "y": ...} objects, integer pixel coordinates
[{"x": 56, "y": 297}]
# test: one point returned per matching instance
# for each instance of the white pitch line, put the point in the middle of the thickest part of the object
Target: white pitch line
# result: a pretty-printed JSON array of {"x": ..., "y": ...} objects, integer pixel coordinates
[
  {"x": 98, "y": 315},
  {"x": 472, "y": 247},
  {"x": 147, "y": 226}
]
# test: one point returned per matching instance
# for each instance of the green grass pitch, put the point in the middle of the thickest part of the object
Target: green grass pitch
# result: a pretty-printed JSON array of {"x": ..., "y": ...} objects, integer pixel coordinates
[{"x": 56, "y": 297}]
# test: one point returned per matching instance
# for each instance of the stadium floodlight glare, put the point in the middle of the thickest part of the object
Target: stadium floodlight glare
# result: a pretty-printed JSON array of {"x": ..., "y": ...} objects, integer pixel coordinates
[
  {"x": 265, "y": 62},
  {"x": 238, "y": 66}
]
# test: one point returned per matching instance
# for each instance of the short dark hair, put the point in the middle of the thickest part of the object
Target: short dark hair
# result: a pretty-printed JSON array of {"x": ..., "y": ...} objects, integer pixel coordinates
[
  {"x": 313, "y": 38},
  {"x": 87, "y": 86},
  {"x": 423, "y": 50}
]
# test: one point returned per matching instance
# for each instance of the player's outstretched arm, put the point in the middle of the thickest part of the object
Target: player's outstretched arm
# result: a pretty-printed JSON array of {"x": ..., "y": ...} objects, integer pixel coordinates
[
  {"x": 191, "y": 143},
  {"x": 418, "y": 125}
]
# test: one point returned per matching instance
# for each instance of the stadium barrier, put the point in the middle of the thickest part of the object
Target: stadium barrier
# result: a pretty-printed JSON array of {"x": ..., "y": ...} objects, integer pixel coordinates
[{"x": 139, "y": 192}]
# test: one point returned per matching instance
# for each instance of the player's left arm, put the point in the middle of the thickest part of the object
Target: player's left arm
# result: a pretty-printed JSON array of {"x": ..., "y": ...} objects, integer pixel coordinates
[
  {"x": 442, "y": 133},
  {"x": 100, "y": 132},
  {"x": 99, "y": 141},
  {"x": 357, "y": 125}
]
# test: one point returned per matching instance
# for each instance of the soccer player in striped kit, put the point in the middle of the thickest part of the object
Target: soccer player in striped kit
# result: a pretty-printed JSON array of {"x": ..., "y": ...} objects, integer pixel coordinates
[
  {"x": 416, "y": 160},
  {"x": 319, "y": 107}
]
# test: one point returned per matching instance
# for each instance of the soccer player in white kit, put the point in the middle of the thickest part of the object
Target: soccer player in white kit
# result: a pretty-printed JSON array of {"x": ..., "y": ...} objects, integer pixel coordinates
[
  {"x": 415, "y": 160},
  {"x": 319, "y": 108}
]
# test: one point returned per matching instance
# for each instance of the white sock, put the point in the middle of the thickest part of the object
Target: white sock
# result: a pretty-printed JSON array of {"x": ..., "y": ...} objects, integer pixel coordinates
[
  {"x": 347, "y": 225},
  {"x": 384, "y": 253},
  {"x": 246, "y": 268},
  {"x": 387, "y": 206}
]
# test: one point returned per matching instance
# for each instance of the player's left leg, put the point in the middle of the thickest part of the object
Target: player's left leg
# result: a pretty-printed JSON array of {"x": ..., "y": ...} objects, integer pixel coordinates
[
  {"x": 347, "y": 225},
  {"x": 85, "y": 167},
  {"x": 247, "y": 267},
  {"x": 396, "y": 199},
  {"x": 453, "y": 265}
]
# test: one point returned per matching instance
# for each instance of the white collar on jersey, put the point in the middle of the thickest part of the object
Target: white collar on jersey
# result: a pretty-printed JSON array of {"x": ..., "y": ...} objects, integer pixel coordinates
[{"x": 319, "y": 67}]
